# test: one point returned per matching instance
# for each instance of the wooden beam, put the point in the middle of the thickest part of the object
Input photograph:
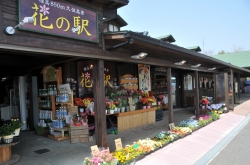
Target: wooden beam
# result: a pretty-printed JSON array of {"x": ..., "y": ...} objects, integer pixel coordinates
[
  {"x": 99, "y": 93},
  {"x": 196, "y": 101},
  {"x": 112, "y": 36},
  {"x": 170, "y": 99}
]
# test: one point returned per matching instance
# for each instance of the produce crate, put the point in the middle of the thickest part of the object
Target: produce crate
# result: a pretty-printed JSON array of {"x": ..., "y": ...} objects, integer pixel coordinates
[{"x": 79, "y": 134}]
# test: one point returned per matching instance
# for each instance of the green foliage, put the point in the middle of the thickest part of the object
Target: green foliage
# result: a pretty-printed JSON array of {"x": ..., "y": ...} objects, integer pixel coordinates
[
  {"x": 6, "y": 130},
  {"x": 16, "y": 123}
]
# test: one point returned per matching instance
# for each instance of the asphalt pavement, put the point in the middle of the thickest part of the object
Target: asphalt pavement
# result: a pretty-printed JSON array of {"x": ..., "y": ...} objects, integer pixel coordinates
[{"x": 237, "y": 151}]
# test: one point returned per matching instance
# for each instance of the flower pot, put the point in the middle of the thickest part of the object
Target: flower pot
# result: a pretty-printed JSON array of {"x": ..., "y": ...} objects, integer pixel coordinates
[
  {"x": 77, "y": 124},
  {"x": 203, "y": 107},
  {"x": 118, "y": 110},
  {"x": 112, "y": 111},
  {"x": 106, "y": 111},
  {"x": 144, "y": 107},
  {"x": 127, "y": 108},
  {"x": 122, "y": 109},
  {"x": 115, "y": 110},
  {"x": 148, "y": 106},
  {"x": 17, "y": 132},
  {"x": 8, "y": 139}
]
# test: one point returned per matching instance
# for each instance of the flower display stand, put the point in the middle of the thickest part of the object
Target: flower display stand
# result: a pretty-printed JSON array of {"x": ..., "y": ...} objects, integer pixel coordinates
[
  {"x": 60, "y": 137},
  {"x": 6, "y": 154},
  {"x": 202, "y": 111},
  {"x": 79, "y": 134}
]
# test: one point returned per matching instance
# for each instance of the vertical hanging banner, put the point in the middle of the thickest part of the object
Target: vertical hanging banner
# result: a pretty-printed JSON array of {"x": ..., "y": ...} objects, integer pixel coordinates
[
  {"x": 144, "y": 77},
  {"x": 57, "y": 17},
  {"x": 85, "y": 76}
]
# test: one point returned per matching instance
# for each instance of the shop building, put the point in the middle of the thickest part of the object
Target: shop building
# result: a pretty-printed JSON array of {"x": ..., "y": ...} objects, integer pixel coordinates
[{"x": 73, "y": 35}]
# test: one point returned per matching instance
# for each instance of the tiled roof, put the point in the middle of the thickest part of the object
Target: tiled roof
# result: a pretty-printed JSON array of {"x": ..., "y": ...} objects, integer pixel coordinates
[{"x": 240, "y": 59}]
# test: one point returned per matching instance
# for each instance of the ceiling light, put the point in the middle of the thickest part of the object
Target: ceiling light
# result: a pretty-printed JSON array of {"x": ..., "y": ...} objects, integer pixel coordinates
[
  {"x": 11, "y": 30},
  {"x": 196, "y": 66},
  {"x": 180, "y": 63},
  {"x": 139, "y": 56},
  {"x": 211, "y": 68}
]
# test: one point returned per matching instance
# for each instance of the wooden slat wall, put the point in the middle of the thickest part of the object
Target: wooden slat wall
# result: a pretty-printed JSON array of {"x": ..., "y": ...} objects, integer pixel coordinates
[
  {"x": 136, "y": 120},
  {"x": 9, "y": 17}
]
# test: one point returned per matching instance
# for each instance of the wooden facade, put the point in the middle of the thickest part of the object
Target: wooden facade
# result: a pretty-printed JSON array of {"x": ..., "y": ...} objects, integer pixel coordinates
[{"x": 27, "y": 51}]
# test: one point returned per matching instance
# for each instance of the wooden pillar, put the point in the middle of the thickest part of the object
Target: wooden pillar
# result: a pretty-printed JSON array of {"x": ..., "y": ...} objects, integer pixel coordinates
[
  {"x": 232, "y": 88},
  {"x": 226, "y": 90},
  {"x": 170, "y": 100},
  {"x": 99, "y": 94},
  {"x": 196, "y": 93},
  {"x": 215, "y": 96}
]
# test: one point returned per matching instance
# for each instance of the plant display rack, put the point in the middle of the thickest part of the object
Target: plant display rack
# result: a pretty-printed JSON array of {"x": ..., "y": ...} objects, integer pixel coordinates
[{"x": 79, "y": 133}]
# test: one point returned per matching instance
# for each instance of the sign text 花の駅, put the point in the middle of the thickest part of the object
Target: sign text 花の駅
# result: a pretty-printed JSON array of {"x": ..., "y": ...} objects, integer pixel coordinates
[{"x": 56, "y": 17}]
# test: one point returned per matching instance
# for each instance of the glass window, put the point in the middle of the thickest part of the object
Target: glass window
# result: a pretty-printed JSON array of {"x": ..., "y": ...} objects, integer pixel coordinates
[
  {"x": 188, "y": 82},
  {"x": 111, "y": 27},
  {"x": 115, "y": 28}
]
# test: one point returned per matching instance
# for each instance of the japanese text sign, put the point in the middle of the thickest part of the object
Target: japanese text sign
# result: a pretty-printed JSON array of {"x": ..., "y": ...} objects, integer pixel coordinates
[
  {"x": 85, "y": 76},
  {"x": 56, "y": 17},
  {"x": 171, "y": 126},
  {"x": 118, "y": 144},
  {"x": 95, "y": 150}
]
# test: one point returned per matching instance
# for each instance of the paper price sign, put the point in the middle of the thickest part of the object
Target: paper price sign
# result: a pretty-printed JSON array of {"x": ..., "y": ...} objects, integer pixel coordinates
[
  {"x": 118, "y": 144},
  {"x": 94, "y": 150},
  {"x": 171, "y": 126}
]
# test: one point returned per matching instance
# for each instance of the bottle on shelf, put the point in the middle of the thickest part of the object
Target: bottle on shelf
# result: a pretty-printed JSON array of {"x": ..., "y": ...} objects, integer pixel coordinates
[{"x": 54, "y": 90}]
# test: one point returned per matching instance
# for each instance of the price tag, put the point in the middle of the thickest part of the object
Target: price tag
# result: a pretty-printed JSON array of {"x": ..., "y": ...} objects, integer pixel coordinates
[
  {"x": 130, "y": 101},
  {"x": 127, "y": 156},
  {"x": 118, "y": 144},
  {"x": 94, "y": 150},
  {"x": 171, "y": 126}
]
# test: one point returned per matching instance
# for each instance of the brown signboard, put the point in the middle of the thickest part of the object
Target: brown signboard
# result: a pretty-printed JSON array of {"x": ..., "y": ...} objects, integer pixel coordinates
[
  {"x": 59, "y": 18},
  {"x": 85, "y": 76}
]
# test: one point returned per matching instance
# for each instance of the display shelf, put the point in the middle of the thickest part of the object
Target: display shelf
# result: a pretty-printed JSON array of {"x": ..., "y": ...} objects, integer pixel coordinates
[
  {"x": 62, "y": 136},
  {"x": 53, "y": 105}
]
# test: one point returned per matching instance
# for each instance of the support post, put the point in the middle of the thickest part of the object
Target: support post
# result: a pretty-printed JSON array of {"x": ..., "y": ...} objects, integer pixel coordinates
[
  {"x": 226, "y": 90},
  {"x": 99, "y": 94},
  {"x": 232, "y": 90},
  {"x": 196, "y": 93},
  {"x": 170, "y": 100}
]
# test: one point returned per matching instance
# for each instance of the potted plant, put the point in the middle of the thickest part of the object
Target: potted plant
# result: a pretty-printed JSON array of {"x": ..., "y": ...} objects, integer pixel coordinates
[
  {"x": 112, "y": 108},
  {"x": 17, "y": 124},
  {"x": 76, "y": 120},
  {"x": 7, "y": 132}
]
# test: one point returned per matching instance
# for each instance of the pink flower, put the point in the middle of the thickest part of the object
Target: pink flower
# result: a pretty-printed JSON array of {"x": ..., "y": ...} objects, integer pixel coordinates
[
  {"x": 87, "y": 75},
  {"x": 44, "y": 9}
]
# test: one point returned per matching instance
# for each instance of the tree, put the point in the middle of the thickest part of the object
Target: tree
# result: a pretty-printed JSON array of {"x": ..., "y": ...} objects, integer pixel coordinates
[
  {"x": 237, "y": 49},
  {"x": 222, "y": 52},
  {"x": 208, "y": 52}
]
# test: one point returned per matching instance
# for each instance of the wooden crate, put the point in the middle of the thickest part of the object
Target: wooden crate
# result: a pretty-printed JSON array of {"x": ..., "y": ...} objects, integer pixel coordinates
[{"x": 79, "y": 134}]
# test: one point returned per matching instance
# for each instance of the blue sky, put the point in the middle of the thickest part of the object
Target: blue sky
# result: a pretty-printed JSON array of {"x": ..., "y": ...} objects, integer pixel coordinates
[{"x": 221, "y": 24}]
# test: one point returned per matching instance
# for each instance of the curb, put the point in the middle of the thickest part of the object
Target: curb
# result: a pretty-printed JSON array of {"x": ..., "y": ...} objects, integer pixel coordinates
[{"x": 216, "y": 149}]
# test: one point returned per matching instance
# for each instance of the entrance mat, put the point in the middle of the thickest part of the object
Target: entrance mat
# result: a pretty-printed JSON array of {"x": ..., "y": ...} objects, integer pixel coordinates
[{"x": 42, "y": 151}]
